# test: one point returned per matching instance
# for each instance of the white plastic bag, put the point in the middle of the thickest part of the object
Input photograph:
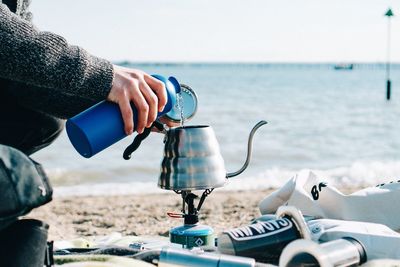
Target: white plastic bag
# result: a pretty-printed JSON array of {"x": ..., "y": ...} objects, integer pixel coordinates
[{"x": 314, "y": 197}]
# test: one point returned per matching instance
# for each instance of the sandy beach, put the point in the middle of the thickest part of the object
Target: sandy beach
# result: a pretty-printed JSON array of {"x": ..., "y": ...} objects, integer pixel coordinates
[{"x": 143, "y": 214}]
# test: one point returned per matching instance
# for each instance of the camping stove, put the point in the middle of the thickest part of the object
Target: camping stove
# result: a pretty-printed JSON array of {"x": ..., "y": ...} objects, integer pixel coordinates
[
  {"x": 191, "y": 233},
  {"x": 192, "y": 161}
]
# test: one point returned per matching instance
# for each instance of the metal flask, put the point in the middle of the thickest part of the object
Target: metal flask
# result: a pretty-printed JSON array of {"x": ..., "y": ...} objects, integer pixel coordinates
[{"x": 192, "y": 159}]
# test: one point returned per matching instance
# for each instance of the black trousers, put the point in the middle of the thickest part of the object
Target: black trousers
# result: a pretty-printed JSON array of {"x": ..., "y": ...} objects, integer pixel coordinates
[
  {"x": 30, "y": 116},
  {"x": 27, "y": 130}
]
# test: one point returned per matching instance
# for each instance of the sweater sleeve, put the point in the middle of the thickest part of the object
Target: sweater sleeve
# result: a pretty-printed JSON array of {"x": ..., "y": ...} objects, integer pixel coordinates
[{"x": 46, "y": 60}]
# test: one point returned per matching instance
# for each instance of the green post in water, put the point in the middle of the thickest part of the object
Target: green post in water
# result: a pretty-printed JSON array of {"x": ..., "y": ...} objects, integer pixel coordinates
[{"x": 388, "y": 14}]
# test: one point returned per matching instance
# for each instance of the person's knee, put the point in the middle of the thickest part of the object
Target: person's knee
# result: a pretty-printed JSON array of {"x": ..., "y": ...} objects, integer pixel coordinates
[
  {"x": 40, "y": 134},
  {"x": 50, "y": 128}
]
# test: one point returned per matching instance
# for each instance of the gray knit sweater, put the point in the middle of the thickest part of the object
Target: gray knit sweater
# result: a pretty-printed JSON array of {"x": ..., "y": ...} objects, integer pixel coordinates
[{"x": 45, "y": 60}]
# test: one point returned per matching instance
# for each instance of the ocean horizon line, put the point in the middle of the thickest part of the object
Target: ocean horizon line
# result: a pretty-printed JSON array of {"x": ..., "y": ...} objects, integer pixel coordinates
[{"x": 355, "y": 65}]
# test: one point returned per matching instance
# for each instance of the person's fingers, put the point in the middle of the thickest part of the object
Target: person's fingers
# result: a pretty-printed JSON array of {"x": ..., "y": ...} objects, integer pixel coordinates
[
  {"x": 142, "y": 108},
  {"x": 147, "y": 93},
  {"x": 151, "y": 100},
  {"x": 158, "y": 88},
  {"x": 127, "y": 114}
]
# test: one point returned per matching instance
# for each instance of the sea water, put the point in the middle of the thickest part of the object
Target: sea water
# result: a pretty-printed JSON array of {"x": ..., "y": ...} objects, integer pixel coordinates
[{"x": 337, "y": 123}]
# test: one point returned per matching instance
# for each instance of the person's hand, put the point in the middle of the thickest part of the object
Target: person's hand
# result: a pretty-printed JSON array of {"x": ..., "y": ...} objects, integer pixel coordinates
[{"x": 146, "y": 92}]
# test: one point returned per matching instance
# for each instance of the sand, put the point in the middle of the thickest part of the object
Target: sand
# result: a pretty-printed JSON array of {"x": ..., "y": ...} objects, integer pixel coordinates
[{"x": 143, "y": 214}]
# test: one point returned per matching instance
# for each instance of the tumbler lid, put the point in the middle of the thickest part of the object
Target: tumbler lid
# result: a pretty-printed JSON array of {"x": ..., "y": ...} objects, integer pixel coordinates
[{"x": 188, "y": 102}]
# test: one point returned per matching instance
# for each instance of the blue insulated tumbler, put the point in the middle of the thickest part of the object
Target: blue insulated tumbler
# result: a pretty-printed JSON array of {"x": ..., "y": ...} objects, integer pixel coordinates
[{"x": 101, "y": 125}]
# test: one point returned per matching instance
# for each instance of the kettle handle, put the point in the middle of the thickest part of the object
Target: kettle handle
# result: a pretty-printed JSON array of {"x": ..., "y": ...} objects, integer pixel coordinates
[
  {"x": 249, "y": 150},
  {"x": 140, "y": 137}
]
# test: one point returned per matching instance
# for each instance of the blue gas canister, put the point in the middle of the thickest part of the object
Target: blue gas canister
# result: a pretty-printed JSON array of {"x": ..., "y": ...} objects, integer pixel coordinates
[{"x": 102, "y": 125}]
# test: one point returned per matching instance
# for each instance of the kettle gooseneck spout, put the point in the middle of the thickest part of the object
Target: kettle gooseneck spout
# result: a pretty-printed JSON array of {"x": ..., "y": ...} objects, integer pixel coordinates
[{"x": 249, "y": 150}]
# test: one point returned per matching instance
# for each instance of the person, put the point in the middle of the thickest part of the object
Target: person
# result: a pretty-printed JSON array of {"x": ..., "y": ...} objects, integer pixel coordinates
[{"x": 44, "y": 80}]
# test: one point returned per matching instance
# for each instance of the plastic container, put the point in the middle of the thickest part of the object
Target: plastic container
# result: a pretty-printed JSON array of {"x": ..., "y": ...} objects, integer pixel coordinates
[{"x": 101, "y": 126}]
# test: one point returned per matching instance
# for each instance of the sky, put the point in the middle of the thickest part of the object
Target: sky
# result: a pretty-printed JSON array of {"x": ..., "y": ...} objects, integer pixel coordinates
[{"x": 225, "y": 30}]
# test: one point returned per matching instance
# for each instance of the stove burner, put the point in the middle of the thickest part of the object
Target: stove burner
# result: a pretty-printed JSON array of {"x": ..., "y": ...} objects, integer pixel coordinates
[{"x": 191, "y": 234}]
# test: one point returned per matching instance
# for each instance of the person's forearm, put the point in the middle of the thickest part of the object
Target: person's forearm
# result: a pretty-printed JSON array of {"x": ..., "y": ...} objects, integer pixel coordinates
[{"x": 46, "y": 60}]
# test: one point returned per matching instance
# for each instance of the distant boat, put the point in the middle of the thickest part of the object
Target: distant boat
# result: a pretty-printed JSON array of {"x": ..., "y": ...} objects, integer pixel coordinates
[{"x": 344, "y": 66}]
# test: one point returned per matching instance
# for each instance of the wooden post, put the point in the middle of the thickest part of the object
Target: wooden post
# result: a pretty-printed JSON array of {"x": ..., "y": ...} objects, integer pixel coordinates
[{"x": 388, "y": 14}]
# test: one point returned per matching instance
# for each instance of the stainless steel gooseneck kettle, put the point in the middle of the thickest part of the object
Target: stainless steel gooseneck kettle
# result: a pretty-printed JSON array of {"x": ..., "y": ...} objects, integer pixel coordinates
[{"x": 192, "y": 159}]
